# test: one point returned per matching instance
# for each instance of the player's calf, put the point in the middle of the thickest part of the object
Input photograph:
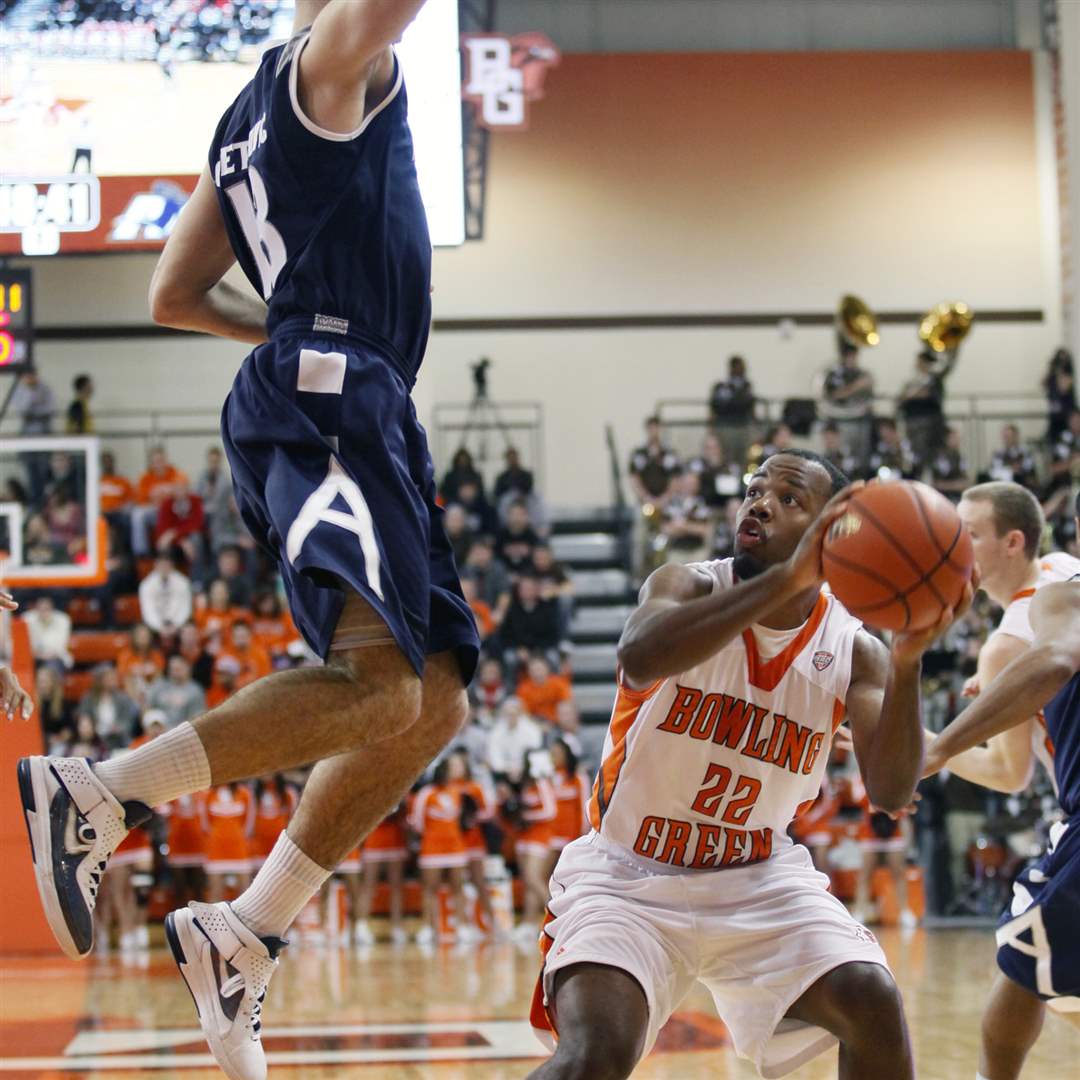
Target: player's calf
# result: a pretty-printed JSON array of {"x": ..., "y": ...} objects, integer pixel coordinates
[
  {"x": 860, "y": 1004},
  {"x": 1011, "y": 1023},
  {"x": 603, "y": 1021}
]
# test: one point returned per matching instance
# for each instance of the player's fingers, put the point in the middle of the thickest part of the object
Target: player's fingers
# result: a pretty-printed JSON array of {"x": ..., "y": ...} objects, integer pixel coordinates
[
  {"x": 27, "y": 705},
  {"x": 7, "y": 601}
]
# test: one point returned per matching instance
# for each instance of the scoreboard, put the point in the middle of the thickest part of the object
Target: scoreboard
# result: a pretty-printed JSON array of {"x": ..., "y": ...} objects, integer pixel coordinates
[{"x": 16, "y": 321}]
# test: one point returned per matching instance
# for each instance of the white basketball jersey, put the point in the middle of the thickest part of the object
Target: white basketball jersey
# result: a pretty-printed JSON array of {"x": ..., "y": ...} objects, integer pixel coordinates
[
  {"x": 1057, "y": 566},
  {"x": 706, "y": 769}
]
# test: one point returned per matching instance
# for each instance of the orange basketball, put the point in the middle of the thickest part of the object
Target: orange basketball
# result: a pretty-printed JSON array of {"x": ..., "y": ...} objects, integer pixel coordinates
[{"x": 899, "y": 557}]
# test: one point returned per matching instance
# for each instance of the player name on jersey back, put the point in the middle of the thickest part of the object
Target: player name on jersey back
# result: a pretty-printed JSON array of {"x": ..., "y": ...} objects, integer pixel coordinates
[
  {"x": 233, "y": 158},
  {"x": 706, "y": 769}
]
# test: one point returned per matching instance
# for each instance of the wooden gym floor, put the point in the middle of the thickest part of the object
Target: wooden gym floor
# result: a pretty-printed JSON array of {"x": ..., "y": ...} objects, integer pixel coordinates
[{"x": 448, "y": 1014}]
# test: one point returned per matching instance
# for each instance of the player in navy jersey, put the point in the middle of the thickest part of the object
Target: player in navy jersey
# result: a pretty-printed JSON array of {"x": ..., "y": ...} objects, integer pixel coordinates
[
  {"x": 311, "y": 186},
  {"x": 1038, "y": 944}
]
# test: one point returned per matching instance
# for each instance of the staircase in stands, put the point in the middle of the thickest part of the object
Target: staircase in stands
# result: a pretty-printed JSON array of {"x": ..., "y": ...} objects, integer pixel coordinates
[{"x": 591, "y": 545}]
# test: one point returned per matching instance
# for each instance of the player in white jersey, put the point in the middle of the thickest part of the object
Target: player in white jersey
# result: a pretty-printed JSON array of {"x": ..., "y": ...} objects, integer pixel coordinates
[
  {"x": 733, "y": 677},
  {"x": 1006, "y": 526}
]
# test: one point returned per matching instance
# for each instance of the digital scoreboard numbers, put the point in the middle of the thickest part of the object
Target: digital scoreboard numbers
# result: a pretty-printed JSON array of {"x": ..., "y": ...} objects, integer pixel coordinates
[
  {"x": 16, "y": 321},
  {"x": 40, "y": 209}
]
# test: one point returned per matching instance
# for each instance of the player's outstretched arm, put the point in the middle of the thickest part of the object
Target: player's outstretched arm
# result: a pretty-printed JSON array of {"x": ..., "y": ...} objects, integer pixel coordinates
[
  {"x": 1027, "y": 683},
  {"x": 346, "y": 67},
  {"x": 186, "y": 290},
  {"x": 1007, "y": 760}
]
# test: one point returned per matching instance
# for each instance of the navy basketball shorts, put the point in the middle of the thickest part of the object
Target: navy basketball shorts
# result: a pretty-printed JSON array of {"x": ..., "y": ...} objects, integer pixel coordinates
[
  {"x": 333, "y": 478},
  {"x": 1038, "y": 940}
]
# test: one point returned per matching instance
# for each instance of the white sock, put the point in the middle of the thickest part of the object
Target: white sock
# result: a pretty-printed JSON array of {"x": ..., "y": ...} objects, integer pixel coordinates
[
  {"x": 159, "y": 771},
  {"x": 979, "y": 1076},
  {"x": 284, "y": 884}
]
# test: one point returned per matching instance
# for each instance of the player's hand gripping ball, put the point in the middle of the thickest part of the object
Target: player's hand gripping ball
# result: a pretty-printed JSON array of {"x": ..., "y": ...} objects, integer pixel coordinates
[{"x": 899, "y": 557}]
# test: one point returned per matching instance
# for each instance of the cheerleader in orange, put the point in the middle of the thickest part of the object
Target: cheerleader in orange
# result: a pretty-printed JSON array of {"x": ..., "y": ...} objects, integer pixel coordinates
[
  {"x": 382, "y": 854},
  {"x": 436, "y": 817},
  {"x": 119, "y": 902},
  {"x": 186, "y": 848},
  {"x": 571, "y": 797},
  {"x": 478, "y": 806},
  {"x": 881, "y": 837},
  {"x": 228, "y": 819},
  {"x": 538, "y": 811},
  {"x": 275, "y": 804}
]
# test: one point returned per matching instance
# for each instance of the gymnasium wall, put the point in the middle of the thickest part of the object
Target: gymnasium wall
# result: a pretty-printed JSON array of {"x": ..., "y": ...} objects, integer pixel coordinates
[{"x": 693, "y": 184}]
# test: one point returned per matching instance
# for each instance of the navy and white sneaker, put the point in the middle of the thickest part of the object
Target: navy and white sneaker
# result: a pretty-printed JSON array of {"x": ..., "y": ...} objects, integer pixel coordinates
[
  {"x": 227, "y": 968},
  {"x": 75, "y": 825}
]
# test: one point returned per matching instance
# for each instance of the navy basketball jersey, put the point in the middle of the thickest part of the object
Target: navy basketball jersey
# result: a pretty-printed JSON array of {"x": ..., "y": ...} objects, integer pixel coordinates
[{"x": 327, "y": 226}]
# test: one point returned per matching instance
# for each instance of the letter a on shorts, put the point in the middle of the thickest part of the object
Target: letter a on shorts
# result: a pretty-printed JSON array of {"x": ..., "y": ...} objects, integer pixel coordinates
[{"x": 316, "y": 508}]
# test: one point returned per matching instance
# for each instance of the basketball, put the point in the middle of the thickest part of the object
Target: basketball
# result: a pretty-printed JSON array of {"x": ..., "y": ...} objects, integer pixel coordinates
[{"x": 899, "y": 557}]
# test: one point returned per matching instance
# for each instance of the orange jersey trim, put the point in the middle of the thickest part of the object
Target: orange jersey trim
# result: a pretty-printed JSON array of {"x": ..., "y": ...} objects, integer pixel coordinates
[
  {"x": 766, "y": 675},
  {"x": 1023, "y": 594},
  {"x": 839, "y": 711},
  {"x": 627, "y": 708},
  {"x": 1047, "y": 741}
]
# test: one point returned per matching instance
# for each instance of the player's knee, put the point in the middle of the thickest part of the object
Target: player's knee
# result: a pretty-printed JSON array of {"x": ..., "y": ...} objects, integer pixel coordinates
[
  {"x": 865, "y": 1003},
  {"x": 390, "y": 695}
]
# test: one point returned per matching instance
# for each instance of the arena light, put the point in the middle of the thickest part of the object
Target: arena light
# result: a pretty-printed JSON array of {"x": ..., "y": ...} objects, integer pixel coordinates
[{"x": 430, "y": 59}]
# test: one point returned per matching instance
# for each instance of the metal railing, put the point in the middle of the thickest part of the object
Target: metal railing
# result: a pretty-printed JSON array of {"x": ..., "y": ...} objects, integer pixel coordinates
[{"x": 978, "y": 417}]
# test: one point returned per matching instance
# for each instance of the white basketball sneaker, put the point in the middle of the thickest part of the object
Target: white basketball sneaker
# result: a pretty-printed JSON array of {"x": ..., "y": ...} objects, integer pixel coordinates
[
  {"x": 75, "y": 825},
  {"x": 226, "y": 967}
]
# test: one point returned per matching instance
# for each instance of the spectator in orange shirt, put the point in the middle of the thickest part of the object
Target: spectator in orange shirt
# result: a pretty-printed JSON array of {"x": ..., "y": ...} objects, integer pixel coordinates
[
  {"x": 226, "y": 671},
  {"x": 214, "y": 616},
  {"x": 117, "y": 492},
  {"x": 139, "y": 663},
  {"x": 541, "y": 691},
  {"x": 240, "y": 645},
  {"x": 155, "y": 485},
  {"x": 485, "y": 621},
  {"x": 273, "y": 627}
]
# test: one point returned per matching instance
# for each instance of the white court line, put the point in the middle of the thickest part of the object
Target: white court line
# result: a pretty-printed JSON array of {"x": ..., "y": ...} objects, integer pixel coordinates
[{"x": 506, "y": 1039}]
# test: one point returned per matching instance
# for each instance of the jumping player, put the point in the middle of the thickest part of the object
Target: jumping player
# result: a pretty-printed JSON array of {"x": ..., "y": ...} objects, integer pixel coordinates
[
  {"x": 733, "y": 677},
  {"x": 1036, "y": 937},
  {"x": 311, "y": 186}
]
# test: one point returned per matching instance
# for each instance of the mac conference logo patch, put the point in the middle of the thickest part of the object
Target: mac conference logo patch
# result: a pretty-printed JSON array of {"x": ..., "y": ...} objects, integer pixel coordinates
[{"x": 821, "y": 660}]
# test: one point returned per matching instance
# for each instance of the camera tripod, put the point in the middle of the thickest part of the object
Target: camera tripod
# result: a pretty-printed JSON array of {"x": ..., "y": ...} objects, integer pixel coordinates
[{"x": 483, "y": 414}]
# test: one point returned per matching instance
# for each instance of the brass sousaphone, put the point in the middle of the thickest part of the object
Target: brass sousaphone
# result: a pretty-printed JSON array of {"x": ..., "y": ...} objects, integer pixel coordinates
[
  {"x": 944, "y": 326},
  {"x": 856, "y": 323}
]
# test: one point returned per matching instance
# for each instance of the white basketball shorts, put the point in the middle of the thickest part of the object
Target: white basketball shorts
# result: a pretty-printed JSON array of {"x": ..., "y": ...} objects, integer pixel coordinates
[{"x": 757, "y": 936}]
